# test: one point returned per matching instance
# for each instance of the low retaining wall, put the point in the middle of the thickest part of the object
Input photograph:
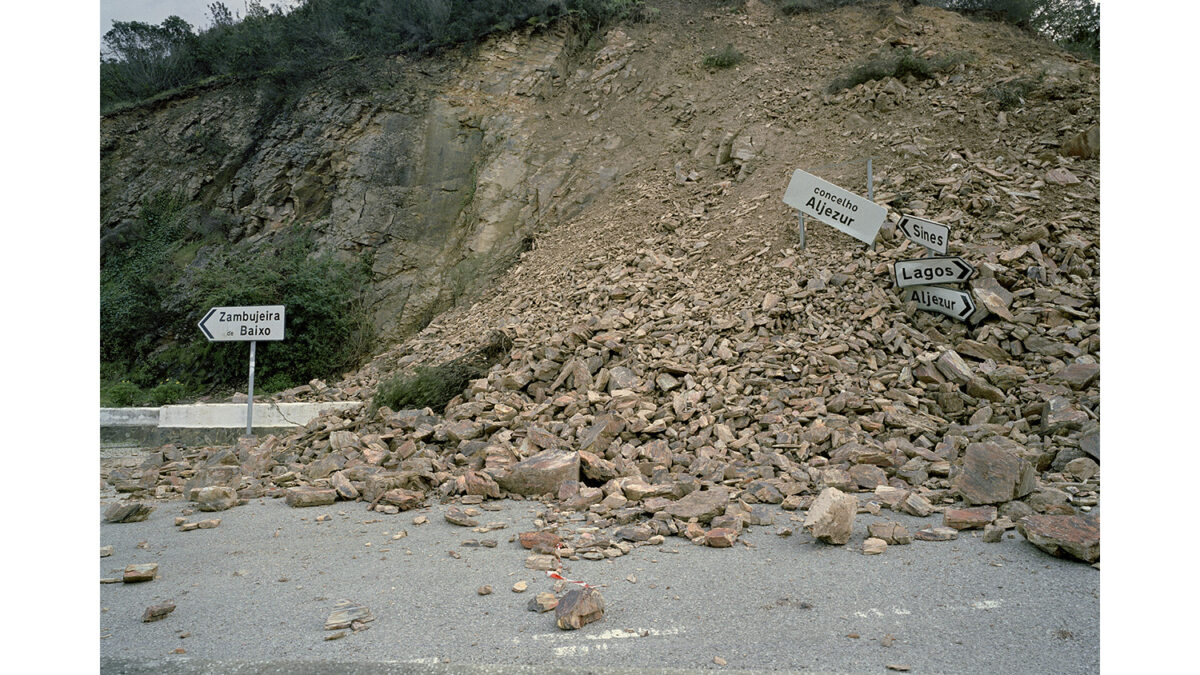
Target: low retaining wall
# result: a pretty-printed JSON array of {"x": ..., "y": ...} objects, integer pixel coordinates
[{"x": 200, "y": 424}]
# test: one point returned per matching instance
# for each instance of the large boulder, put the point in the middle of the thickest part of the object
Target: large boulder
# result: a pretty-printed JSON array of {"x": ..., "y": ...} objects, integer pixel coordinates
[
  {"x": 703, "y": 505},
  {"x": 993, "y": 474},
  {"x": 831, "y": 516},
  {"x": 541, "y": 473},
  {"x": 1064, "y": 536}
]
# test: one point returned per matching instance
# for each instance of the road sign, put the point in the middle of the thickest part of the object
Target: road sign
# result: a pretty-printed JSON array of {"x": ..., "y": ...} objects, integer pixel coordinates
[
  {"x": 953, "y": 303},
  {"x": 931, "y": 235},
  {"x": 842, "y": 210},
  {"x": 241, "y": 324},
  {"x": 944, "y": 270}
]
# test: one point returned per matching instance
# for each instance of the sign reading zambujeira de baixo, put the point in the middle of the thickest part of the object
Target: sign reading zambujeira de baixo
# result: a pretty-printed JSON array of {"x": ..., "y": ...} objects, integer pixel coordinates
[
  {"x": 840, "y": 209},
  {"x": 245, "y": 324},
  {"x": 241, "y": 324}
]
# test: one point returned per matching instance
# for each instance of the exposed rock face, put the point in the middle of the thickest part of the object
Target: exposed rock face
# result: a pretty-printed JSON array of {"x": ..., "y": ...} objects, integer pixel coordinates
[{"x": 438, "y": 171}]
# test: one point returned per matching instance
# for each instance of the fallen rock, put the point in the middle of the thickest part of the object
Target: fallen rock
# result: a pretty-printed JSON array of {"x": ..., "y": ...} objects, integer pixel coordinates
[
  {"x": 106, "y": 551},
  {"x": 541, "y": 473},
  {"x": 831, "y": 516},
  {"x": 142, "y": 572},
  {"x": 1085, "y": 144},
  {"x": 916, "y": 505},
  {"x": 720, "y": 537},
  {"x": 302, "y": 496},
  {"x": 345, "y": 613},
  {"x": 215, "y": 498},
  {"x": 520, "y": 586},
  {"x": 703, "y": 505},
  {"x": 404, "y": 500},
  {"x": 456, "y": 516},
  {"x": 937, "y": 534},
  {"x": 543, "y": 602},
  {"x": 157, "y": 612},
  {"x": 127, "y": 513},
  {"x": 874, "y": 546},
  {"x": 991, "y": 474},
  {"x": 1062, "y": 536},
  {"x": 965, "y": 519},
  {"x": 992, "y": 533},
  {"x": 484, "y": 590},
  {"x": 891, "y": 533},
  {"x": 544, "y": 541},
  {"x": 578, "y": 608}
]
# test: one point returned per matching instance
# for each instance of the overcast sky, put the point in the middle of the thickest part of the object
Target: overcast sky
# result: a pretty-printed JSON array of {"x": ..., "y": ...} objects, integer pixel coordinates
[{"x": 194, "y": 12}]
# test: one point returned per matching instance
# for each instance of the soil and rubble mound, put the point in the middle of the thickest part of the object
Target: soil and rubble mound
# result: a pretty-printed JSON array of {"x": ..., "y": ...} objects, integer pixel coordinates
[{"x": 678, "y": 359}]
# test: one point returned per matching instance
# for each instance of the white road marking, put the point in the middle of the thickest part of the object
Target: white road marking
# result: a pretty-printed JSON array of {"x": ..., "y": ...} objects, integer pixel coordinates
[{"x": 987, "y": 604}]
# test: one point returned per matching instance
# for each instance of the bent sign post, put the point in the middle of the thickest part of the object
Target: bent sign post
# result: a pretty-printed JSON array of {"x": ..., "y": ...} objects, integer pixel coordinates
[
  {"x": 245, "y": 324},
  {"x": 921, "y": 271},
  {"x": 840, "y": 209}
]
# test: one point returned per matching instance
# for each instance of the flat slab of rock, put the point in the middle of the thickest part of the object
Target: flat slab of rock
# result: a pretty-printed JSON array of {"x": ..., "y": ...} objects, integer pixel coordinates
[
  {"x": 157, "y": 612},
  {"x": 456, "y": 516},
  {"x": 542, "y": 473},
  {"x": 874, "y": 546},
  {"x": 544, "y": 541},
  {"x": 831, "y": 516},
  {"x": 720, "y": 537},
  {"x": 542, "y": 602},
  {"x": 890, "y": 533},
  {"x": 992, "y": 474},
  {"x": 703, "y": 505},
  {"x": 966, "y": 519},
  {"x": 937, "y": 534},
  {"x": 578, "y": 608},
  {"x": 302, "y": 496},
  {"x": 403, "y": 499},
  {"x": 346, "y": 612},
  {"x": 137, "y": 573},
  {"x": 1064, "y": 536},
  {"x": 127, "y": 513}
]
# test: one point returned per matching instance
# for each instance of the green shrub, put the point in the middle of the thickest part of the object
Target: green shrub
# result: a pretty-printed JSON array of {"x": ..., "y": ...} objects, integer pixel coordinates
[
  {"x": 723, "y": 58},
  {"x": 167, "y": 393},
  {"x": 123, "y": 394},
  {"x": 1013, "y": 94},
  {"x": 435, "y": 386},
  {"x": 897, "y": 63},
  {"x": 794, "y": 7}
]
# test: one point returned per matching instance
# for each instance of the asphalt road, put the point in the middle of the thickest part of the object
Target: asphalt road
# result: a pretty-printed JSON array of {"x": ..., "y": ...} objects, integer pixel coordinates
[{"x": 252, "y": 596}]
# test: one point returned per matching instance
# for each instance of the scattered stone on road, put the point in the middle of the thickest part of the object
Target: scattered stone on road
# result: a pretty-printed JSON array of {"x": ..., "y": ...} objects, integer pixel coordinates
[
  {"x": 141, "y": 572},
  {"x": 1064, "y": 536},
  {"x": 578, "y": 608},
  {"x": 969, "y": 518},
  {"x": 543, "y": 602},
  {"x": 720, "y": 537},
  {"x": 456, "y": 516},
  {"x": 937, "y": 534},
  {"x": 890, "y": 532},
  {"x": 346, "y": 612},
  {"x": 874, "y": 546},
  {"x": 106, "y": 551},
  {"x": 542, "y": 541},
  {"x": 992, "y": 474},
  {"x": 520, "y": 586},
  {"x": 215, "y": 498},
  {"x": 484, "y": 590},
  {"x": 302, "y": 496},
  {"x": 127, "y": 513},
  {"x": 157, "y": 612}
]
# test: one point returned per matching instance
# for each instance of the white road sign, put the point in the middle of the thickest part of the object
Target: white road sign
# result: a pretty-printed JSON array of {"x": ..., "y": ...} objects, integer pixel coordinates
[
  {"x": 955, "y": 304},
  {"x": 931, "y": 235},
  {"x": 227, "y": 324},
  {"x": 842, "y": 210},
  {"x": 934, "y": 270}
]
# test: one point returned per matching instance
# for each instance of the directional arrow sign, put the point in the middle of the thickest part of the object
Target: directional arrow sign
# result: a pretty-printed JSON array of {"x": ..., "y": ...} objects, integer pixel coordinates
[
  {"x": 232, "y": 324},
  {"x": 947, "y": 270},
  {"x": 955, "y": 304},
  {"x": 857, "y": 216},
  {"x": 931, "y": 235}
]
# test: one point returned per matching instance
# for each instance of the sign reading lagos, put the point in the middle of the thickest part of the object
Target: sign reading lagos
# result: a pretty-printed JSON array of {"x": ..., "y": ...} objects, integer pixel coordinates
[{"x": 840, "y": 209}]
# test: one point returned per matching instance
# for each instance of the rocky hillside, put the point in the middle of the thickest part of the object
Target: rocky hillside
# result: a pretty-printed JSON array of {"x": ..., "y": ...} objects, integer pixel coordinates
[{"x": 676, "y": 353}]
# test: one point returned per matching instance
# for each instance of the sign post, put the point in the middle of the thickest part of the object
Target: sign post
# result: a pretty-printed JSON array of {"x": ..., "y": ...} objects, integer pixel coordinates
[
  {"x": 840, "y": 209},
  {"x": 922, "y": 271},
  {"x": 245, "y": 324},
  {"x": 931, "y": 235}
]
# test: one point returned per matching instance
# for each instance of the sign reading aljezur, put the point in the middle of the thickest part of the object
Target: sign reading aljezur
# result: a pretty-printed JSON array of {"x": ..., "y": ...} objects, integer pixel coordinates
[
  {"x": 952, "y": 303},
  {"x": 223, "y": 324},
  {"x": 947, "y": 270},
  {"x": 858, "y": 217}
]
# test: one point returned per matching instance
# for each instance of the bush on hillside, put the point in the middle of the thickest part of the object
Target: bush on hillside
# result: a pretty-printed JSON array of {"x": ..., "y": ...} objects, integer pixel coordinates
[
  {"x": 723, "y": 58},
  {"x": 435, "y": 386},
  {"x": 897, "y": 63}
]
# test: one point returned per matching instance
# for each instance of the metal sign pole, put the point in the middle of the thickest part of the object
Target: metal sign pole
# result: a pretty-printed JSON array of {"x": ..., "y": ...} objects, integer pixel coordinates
[
  {"x": 250, "y": 401},
  {"x": 802, "y": 231},
  {"x": 870, "y": 192}
]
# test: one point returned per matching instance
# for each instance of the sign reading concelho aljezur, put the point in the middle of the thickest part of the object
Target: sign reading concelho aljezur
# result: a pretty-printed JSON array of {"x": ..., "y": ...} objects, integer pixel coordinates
[
  {"x": 840, "y": 209},
  {"x": 955, "y": 304},
  {"x": 225, "y": 324}
]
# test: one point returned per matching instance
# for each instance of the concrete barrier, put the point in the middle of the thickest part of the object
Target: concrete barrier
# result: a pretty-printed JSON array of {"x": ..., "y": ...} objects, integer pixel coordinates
[{"x": 202, "y": 424}]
